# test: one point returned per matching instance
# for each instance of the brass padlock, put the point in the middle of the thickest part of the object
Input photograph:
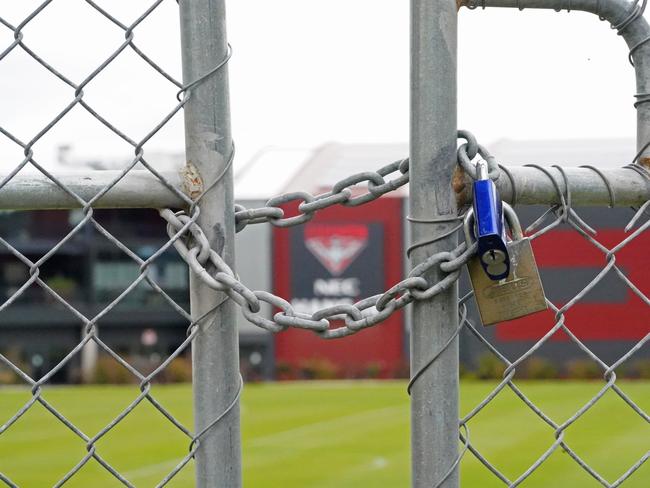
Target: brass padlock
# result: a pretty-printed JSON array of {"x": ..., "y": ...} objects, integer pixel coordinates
[{"x": 518, "y": 295}]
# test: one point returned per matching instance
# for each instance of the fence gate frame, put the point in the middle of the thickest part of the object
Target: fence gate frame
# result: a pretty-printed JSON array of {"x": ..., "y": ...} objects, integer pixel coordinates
[
  {"x": 438, "y": 188},
  {"x": 435, "y": 195},
  {"x": 433, "y": 213},
  {"x": 209, "y": 152}
]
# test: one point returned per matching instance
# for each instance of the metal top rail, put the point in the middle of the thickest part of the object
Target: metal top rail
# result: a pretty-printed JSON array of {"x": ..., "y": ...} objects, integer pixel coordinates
[{"x": 618, "y": 187}]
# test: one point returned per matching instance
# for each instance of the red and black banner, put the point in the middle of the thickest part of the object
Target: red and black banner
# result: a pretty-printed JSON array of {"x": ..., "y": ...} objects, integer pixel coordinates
[
  {"x": 568, "y": 262},
  {"x": 343, "y": 255}
]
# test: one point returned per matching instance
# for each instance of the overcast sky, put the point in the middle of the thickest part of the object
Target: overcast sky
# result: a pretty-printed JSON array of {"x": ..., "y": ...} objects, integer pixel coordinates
[{"x": 305, "y": 72}]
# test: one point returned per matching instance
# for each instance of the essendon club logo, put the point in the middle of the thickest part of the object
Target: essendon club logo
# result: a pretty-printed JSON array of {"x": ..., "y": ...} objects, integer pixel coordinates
[{"x": 336, "y": 246}]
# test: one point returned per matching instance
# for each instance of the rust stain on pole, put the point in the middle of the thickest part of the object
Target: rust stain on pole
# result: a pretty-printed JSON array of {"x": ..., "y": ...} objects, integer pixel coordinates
[{"x": 192, "y": 181}]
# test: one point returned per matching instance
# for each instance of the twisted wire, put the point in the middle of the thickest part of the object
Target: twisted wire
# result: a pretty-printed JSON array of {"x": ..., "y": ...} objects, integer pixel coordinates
[
  {"x": 216, "y": 274},
  {"x": 564, "y": 215},
  {"x": 190, "y": 242},
  {"x": 449, "y": 262},
  {"x": 89, "y": 323}
]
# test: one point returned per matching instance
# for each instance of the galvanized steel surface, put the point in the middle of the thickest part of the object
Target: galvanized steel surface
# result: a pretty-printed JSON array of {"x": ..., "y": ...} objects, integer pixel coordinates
[
  {"x": 433, "y": 211},
  {"x": 209, "y": 152},
  {"x": 431, "y": 281},
  {"x": 87, "y": 203},
  {"x": 627, "y": 19},
  {"x": 211, "y": 268},
  {"x": 373, "y": 310}
]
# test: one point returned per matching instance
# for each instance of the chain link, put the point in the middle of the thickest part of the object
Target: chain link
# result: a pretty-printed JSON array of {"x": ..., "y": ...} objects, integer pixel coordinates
[
  {"x": 194, "y": 248},
  {"x": 330, "y": 322},
  {"x": 564, "y": 214},
  {"x": 342, "y": 192},
  {"x": 24, "y": 45}
]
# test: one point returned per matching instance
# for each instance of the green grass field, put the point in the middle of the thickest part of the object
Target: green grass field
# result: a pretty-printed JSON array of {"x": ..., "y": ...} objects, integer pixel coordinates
[{"x": 326, "y": 434}]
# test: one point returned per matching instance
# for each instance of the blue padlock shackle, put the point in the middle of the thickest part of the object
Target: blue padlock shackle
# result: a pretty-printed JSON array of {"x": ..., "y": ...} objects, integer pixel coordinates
[{"x": 510, "y": 217}]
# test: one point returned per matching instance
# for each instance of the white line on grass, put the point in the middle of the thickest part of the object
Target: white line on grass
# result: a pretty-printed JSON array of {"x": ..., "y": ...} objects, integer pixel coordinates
[
  {"x": 164, "y": 467},
  {"x": 310, "y": 429}
]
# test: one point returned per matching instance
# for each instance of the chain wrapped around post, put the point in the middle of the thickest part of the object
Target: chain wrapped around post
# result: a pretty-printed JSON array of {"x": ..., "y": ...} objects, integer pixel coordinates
[
  {"x": 194, "y": 249},
  {"x": 192, "y": 245},
  {"x": 341, "y": 192},
  {"x": 138, "y": 182}
]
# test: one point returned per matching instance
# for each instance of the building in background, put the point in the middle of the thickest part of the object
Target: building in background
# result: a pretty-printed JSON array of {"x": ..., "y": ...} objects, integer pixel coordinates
[
  {"x": 345, "y": 254},
  {"x": 342, "y": 255},
  {"x": 88, "y": 271}
]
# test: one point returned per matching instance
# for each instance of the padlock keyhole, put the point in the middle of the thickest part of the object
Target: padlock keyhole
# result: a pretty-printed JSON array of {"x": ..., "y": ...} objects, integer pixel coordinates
[{"x": 495, "y": 262}]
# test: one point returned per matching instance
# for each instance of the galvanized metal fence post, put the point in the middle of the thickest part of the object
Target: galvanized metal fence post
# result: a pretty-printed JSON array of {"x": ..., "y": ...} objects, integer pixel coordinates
[
  {"x": 434, "y": 396},
  {"x": 215, "y": 351}
]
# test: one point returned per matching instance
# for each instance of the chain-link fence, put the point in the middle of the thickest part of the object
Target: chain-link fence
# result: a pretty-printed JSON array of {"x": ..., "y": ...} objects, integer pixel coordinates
[
  {"x": 76, "y": 193},
  {"x": 201, "y": 218}
]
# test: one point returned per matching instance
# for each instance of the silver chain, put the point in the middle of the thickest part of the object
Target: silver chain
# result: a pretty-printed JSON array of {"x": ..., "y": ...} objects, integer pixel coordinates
[
  {"x": 194, "y": 249},
  {"x": 342, "y": 194}
]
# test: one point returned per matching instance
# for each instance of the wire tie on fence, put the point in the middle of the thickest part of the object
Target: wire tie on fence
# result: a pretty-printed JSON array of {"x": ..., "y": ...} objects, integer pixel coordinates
[
  {"x": 195, "y": 323},
  {"x": 608, "y": 185},
  {"x": 437, "y": 220},
  {"x": 635, "y": 48},
  {"x": 511, "y": 178},
  {"x": 466, "y": 443},
  {"x": 220, "y": 176},
  {"x": 196, "y": 440},
  {"x": 429, "y": 363},
  {"x": 641, "y": 98},
  {"x": 205, "y": 76},
  {"x": 635, "y": 12},
  {"x": 433, "y": 240}
]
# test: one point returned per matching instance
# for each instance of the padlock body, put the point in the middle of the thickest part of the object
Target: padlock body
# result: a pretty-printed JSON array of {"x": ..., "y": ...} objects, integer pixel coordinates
[
  {"x": 520, "y": 294},
  {"x": 490, "y": 230}
]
